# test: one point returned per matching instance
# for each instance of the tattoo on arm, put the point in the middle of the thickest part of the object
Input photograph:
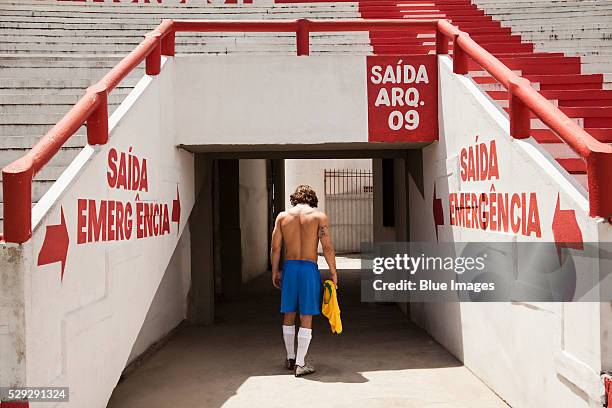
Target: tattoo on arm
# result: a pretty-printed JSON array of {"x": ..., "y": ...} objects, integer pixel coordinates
[{"x": 323, "y": 231}]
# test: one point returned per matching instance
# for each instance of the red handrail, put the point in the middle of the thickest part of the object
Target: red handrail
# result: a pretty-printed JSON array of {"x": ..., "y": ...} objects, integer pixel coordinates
[
  {"x": 92, "y": 107},
  {"x": 524, "y": 100}
]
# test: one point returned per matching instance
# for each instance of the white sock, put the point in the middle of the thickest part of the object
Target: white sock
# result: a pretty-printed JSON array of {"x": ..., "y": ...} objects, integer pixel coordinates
[
  {"x": 289, "y": 336},
  {"x": 304, "y": 336}
]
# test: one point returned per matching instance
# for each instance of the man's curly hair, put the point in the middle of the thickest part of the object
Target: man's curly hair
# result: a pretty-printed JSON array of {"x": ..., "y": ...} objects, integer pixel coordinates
[{"x": 304, "y": 194}]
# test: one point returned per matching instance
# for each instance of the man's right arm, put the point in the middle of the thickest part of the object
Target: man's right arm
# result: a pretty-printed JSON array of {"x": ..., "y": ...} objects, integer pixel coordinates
[
  {"x": 328, "y": 247},
  {"x": 275, "y": 250}
]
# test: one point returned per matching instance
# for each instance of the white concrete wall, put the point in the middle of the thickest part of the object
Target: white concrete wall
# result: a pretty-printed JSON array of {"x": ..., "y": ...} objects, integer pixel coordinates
[
  {"x": 271, "y": 100},
  {"x": 253, "y": 218},
  {"x": 311, "y": 172},
  {"x": 169, "y": 306},
  {"x": 605, "y": 235},
  {"x": 532, "y": 354},
  {"x": 12, "y": 315},
  {"x": 80, "y": 327}
]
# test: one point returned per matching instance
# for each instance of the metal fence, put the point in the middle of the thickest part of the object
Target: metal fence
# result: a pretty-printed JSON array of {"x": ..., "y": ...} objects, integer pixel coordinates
[{"x": 349, "y": 206}]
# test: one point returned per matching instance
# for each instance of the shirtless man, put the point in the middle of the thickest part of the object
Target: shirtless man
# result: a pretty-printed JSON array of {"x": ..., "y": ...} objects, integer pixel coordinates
[{"x": 300, "y": 228}]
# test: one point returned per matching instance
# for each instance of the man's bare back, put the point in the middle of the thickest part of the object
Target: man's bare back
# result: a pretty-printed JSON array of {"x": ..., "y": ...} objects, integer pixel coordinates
[{"x": 300, "y": 229}]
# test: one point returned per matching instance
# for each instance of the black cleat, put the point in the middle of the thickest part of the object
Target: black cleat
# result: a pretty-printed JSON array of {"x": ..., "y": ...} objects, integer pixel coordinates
[{"x": 290, "y": 363}]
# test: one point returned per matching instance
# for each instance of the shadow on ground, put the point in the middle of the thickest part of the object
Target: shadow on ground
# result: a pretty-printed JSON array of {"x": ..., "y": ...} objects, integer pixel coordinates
[{"x": 206, "y": 366}]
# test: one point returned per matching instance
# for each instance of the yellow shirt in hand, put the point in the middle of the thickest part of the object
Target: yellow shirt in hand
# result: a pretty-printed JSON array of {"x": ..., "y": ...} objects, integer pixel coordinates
[{"x": 330, "y": 308}]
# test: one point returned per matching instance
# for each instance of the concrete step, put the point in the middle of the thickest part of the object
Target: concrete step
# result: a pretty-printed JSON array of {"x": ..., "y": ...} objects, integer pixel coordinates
[
  {"x": 63, "y": 72},
  {"x": 596, "y": 64},
  {"x": 152, "y": 14},
  {"x": 44, "y": 92},
  {"x": 127, "y": 8},
  {"x": 143, "y": 28},
  {"x": 550, "y": 37},
  {"x": 21, "y": 61},
  {"x": 8, "y": 110},
  {"x": 130, "y": 43},
  {"x": 27, "y": 141},
  {"x": 51, "y": 59},
  {"x": 165, "y": 4},
  {"x": 32, "y": 100},
  {"x": 33, "y": 83},
  {"x": 18, "y": 34},
  {"x": 79, "y": 25},
  {"x": 560, "y": 151},
  {"x": 131, "y": 21},
  {"x": 194, "y": 6},
  {"x": 575, "y": 43},
  {"x": 576, "y": 30},
  {"x": 12, "y": 116},
  {"x": 561, "y": 21},
  {"x": 18, "y": 130},
  {"x": 593, "y": 49},
  {"x": 26, "y": 119},
  {"x": 249, "y": 51},
  {"x": 61, "y": 159},
  {"x": 604, "y": 97},
  {"x": 184, "y": 41},
  {"x": 535, "y": 8},
  {"x": 180, "y": 48},
  {"x": 552, "y": 26}
]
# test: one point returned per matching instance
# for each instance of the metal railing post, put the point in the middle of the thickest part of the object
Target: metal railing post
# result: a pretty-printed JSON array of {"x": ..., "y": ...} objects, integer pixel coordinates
[
  {"x": 460, "y": 60},
  {"x": 441, "y": 43},
  {"x": 302, "y": 37},
  {"x": 97, "y": 123},
  {"x": 17, "y": 189},
  {"x": 169, "y": 38},
  {"x": 168, "y": 44},
  {"x": 153, "y": 60},
  {"x": 599, "y": 169},
  {"x": 520, "y": 115}
]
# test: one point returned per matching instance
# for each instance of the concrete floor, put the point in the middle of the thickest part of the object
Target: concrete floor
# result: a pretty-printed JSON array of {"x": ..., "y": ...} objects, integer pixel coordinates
[{"x": 381, "y": 360}]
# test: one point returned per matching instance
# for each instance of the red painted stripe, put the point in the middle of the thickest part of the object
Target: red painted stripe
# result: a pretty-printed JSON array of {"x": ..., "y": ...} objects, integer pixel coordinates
[
  {"x": 573, "y": 166},
  {"x": 604, "y": 135},
  {"x": 586, "y": 102},
  {"x": 20, "y": 404}
]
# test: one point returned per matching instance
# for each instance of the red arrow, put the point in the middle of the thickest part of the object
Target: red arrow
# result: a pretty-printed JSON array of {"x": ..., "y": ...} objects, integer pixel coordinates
[
  {"x": 176, "y": 210},
  {"x": 566, "y": 229},
  {"x": 55, "y": 245}
]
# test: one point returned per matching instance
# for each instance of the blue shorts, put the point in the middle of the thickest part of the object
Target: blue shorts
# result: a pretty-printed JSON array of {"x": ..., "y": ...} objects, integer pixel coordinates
[{"x": 301, "y": 287}]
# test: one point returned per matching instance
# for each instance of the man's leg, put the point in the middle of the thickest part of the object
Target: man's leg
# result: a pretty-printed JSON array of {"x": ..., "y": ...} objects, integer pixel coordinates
[
  {"x": 304, "y": 336},
  {"x": 289, "y": 336},
  {"x": 289, "y": 319},
  {"x": 289, "y": 307},
  {"x": 306, "y": 321},
  {"x": 310, "y": 304}
]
